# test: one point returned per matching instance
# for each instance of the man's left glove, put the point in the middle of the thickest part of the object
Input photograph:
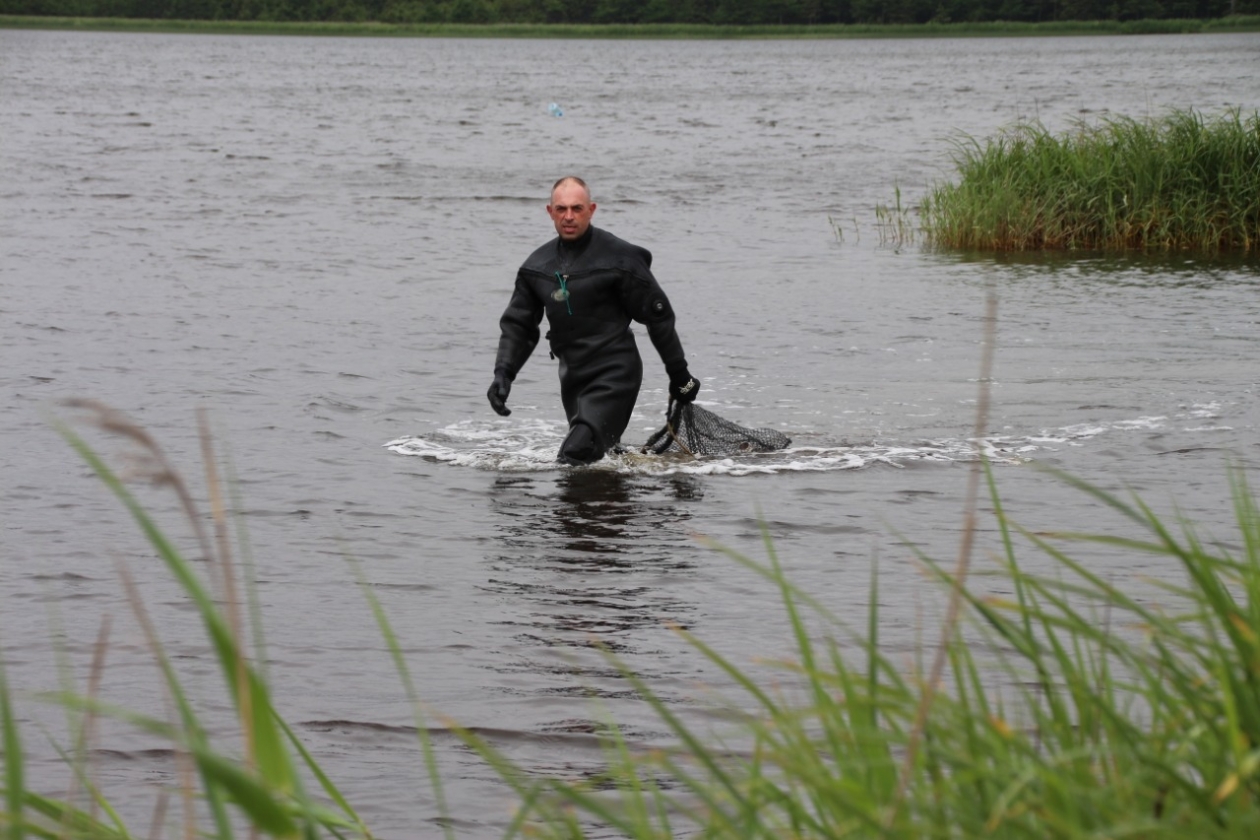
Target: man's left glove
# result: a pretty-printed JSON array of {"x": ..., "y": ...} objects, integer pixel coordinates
[
  {"x": 498, "y": 393},
  {"x": 684, "y": 387}
]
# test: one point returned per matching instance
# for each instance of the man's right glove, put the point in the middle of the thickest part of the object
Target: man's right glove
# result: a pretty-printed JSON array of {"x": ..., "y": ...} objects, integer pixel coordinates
[
  {"x": 498, "y": 393},
  {"x": 684, "y": 387}
]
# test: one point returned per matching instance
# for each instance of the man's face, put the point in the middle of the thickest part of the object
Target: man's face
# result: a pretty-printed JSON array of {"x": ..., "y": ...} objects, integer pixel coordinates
[{"x": 570, "y": 210}]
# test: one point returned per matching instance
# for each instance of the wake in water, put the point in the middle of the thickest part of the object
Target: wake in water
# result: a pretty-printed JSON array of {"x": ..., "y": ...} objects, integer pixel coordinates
[{"x": 530, "y": 446}]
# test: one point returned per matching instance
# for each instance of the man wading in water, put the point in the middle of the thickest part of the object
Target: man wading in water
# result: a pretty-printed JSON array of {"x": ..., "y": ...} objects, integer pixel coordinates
[{"x": 591, "y": 285}]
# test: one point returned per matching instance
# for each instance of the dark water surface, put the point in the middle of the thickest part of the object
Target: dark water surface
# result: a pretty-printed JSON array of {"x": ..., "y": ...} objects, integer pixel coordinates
[{"x": 313, "y": 239}]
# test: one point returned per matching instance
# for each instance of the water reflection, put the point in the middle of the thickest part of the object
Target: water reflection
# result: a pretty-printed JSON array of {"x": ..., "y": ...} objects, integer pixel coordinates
[
  {"x": 1154, "y": 270},
  {"x": 591, "y": 558}
]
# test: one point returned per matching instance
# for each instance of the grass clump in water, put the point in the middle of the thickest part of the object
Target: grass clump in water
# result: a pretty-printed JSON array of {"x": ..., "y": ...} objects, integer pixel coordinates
[{"x": 1181, "y": 183}]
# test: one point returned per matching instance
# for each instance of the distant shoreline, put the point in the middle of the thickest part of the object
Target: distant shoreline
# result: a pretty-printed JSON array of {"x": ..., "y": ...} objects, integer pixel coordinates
[{"x": 1000, "y": 29}]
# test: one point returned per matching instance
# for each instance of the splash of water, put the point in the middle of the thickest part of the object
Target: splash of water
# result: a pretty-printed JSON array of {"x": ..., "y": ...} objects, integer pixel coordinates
[{"x": 530, "y": 446}]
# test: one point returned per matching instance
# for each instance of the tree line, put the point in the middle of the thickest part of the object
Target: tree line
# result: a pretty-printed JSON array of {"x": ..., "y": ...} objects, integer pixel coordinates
[{"x": 722, "y": 12}]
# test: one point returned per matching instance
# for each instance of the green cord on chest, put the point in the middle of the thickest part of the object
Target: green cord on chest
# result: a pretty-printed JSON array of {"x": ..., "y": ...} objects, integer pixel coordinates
[{"x": 563, "y": 294}]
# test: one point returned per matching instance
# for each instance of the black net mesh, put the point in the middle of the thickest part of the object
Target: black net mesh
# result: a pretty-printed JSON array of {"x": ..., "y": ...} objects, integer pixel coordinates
[{"x": 697, "y": 431}]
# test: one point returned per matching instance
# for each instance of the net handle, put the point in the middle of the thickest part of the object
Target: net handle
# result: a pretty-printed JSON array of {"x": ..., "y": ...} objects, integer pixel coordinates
[{"x": 669, "y": 413}]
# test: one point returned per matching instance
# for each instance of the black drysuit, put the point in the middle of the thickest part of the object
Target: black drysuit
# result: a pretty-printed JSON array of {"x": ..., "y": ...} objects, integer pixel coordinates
[{"x": 590, "y": 289}]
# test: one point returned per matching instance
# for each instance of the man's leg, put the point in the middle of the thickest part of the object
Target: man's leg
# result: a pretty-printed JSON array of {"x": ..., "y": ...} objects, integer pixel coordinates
[{"x": 580, "y": 447}]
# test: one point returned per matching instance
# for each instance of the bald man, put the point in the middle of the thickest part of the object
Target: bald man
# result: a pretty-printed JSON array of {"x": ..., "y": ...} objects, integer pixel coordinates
[{"x": 590, "y": 285}]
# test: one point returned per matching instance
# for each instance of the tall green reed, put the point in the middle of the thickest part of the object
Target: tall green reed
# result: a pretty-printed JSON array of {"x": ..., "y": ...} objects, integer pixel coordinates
[
  {"x": 256, "y": 783},
  {"x": 1072, "y": 709},
  {"x": 1184, "y": 182},
  {"x": 1068, "y": 707}
]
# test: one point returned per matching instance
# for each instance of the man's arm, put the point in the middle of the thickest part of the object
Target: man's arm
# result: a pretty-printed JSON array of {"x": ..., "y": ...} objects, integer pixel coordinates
[
  {"x": 647, "y": 303},
  {"x": 518, "y": 337},
  {"x": 518, "y": 329}
]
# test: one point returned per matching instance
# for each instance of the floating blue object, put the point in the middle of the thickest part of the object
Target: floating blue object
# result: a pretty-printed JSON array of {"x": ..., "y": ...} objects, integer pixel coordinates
[{"x": 555, "y": 110}]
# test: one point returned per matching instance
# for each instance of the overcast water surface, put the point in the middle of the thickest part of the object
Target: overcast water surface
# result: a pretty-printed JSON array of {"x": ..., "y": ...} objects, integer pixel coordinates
[{"x": 312, "y": 240}]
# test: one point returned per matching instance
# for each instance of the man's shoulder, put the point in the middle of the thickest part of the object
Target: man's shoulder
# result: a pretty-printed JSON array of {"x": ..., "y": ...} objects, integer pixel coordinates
[
  {"x": 624, "y": 254},
  {"x": 542, "y": 257}
]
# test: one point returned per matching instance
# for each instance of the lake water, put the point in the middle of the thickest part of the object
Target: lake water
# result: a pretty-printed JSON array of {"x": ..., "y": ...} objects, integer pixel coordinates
[{"x": 313, "y": 239}]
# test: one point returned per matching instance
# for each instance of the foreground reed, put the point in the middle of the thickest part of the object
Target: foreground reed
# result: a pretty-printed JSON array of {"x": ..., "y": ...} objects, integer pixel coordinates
[
  {"x": 1185, "y": 182},
  {"x": 1072, "y": 708},
  {"x": 256, "y": 781}
]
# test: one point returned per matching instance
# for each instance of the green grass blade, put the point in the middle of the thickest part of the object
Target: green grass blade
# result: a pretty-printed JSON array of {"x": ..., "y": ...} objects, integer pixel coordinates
[
  {"x": 14, "y": 760},
  {"x": 325, "y": 782},
  {"x": 413, "y": 696},
  {"x": 267, "y": 744}
]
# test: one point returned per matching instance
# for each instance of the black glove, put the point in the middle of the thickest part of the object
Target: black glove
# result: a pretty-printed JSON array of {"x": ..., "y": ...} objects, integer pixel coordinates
[
  {"x": 498, "y": 394},
  {"x": 683, "y": 387}
]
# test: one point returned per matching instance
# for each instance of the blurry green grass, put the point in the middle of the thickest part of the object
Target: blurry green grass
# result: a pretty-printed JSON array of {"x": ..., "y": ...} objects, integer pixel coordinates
[{"x": 1070, "y": 708}]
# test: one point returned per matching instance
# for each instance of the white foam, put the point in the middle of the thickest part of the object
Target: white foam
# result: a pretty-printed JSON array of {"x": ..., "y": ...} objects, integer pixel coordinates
[
  {"x": 502, "y": 445},
  {"x": 1202, "y": 410},
  {"x": 1085, "y": 431},
  {"x": 530, "y": 446}
]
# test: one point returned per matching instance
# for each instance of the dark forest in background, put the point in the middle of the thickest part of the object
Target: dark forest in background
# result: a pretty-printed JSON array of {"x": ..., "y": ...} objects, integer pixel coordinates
[{"x": 723, "y": 12}]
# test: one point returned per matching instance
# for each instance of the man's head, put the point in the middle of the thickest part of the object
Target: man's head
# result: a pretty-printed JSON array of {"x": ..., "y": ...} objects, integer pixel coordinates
[{"x": 571, "y": 207}]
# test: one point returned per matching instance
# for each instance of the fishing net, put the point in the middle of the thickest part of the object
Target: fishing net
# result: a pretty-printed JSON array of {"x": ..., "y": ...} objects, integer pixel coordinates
[{"x": 697, "y": 431}]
